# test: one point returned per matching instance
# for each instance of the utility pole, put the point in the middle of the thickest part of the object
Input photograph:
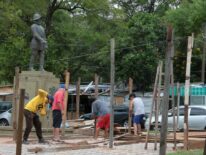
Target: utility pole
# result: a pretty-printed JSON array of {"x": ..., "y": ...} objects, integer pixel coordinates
[
  {"x": 203, "y": 55},
  {"x": 163, "y": 131},
  {"x": 112, "y": 77}
]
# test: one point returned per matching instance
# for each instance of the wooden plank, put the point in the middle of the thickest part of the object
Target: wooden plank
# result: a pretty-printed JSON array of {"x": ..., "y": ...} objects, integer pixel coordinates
[
  {"x": 67, "y": 77},
  {"x": 203, "y": 55},
  {"x": 157, "y": 102},
  {"x": 96, "y": 81},
  {"x": 112, "y": 81},
  {"x": 20, "y": 122},
  {"x": 78, "y": 97},
  {"x": 187, "y": 89},
  {"x": 163, "y": 130},
  {"x": 129, "y": 115},
  {"x": 126, "y": 142},
  {"x": 153, "y": 102},
  {"x": 15, "y": 102},
  {"x": 172, "y": 88}
]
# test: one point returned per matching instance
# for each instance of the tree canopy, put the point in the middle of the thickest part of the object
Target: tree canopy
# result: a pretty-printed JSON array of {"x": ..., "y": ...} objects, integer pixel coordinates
[{"x": 79, "y": 33}]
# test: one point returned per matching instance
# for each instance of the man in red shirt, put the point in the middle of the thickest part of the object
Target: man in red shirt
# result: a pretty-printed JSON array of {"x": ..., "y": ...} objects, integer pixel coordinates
[
  {"x": 101, "y": 112},
  {"x": 58, "y": 112}
]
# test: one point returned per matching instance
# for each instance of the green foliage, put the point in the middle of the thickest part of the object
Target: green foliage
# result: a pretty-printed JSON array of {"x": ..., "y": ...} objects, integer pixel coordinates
[
  {"x": 190, "y": 152},
  {"x": 13, "y": 51},
  {"x": 144, "y": 47},
  {"x": 188, "y": 19},
  {"x": 79, "y": 33}
]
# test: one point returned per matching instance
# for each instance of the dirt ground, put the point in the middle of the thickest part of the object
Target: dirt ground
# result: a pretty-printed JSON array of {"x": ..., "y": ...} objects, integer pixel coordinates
[{"x": 86, "y": 145}]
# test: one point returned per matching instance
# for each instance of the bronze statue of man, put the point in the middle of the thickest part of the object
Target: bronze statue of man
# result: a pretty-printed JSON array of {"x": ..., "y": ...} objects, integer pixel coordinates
[{"x": 38, "y": 42}]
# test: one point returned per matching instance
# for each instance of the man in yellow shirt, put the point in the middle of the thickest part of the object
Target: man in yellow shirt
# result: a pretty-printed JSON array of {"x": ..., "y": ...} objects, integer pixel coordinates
[{"x": 37, "y": 104}]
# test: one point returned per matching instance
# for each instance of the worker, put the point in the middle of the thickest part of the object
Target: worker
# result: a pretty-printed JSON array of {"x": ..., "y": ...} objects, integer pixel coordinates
[
  {"x": 136, "y": 106},
  {"x": 58, "y": 112},
  {"x": 35, "y": 105},
  {"x": 100, "y": 112}
]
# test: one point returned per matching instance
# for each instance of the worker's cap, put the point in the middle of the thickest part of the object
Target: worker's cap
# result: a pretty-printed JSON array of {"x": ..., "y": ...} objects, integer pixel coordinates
[
  {"x": 131, "y": 95},
  {"x": 50, "y": 98}
]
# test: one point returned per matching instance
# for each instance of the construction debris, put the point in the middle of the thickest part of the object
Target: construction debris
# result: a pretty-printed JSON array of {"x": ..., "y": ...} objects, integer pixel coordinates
[{"x": 35, "y": 150}]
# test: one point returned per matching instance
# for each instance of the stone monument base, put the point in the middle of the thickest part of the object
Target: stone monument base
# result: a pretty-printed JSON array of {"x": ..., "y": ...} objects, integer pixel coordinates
[{"x": 31, "y": 81}]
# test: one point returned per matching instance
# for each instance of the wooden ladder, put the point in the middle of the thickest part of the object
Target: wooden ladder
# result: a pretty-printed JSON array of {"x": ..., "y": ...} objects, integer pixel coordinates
[{"x": 156, "y": 99}]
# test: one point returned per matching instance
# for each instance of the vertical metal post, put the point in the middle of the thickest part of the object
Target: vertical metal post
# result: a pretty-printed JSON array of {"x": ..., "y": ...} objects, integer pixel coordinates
[
  {"x": 20, "y": 122},
  {"x": 112, "y": 77}
]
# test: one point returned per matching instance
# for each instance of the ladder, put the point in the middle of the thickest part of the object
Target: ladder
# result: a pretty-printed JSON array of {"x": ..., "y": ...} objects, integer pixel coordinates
[{"x": 155, "y": 103}]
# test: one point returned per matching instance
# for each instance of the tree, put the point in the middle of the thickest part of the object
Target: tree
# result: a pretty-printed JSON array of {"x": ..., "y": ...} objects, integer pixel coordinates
[
  {"x": 187, "y": 19},
  {"x": 13, "y": 43},
  {"x": 145, "y": 46}
]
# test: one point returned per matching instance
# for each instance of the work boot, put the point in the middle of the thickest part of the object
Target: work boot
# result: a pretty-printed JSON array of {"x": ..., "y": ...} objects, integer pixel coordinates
[
  {"x": 25, "y": 141},
  {"x": 42, "y": 141}
]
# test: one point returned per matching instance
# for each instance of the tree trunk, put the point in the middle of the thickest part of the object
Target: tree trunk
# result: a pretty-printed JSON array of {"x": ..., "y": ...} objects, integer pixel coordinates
[{"x": 50, "y": 11}]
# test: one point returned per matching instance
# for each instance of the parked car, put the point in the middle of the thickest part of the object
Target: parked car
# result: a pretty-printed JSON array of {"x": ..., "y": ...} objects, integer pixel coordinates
[
  {"x": 5, "y": 118},
  {"x": 121, "y": 113},
  {"x": 4, "y": 106},
  {"x": 196, "y": 118}
]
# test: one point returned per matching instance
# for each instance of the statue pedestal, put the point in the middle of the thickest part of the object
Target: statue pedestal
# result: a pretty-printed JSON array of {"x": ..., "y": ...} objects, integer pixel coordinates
[{"x": 31, "y": 81}]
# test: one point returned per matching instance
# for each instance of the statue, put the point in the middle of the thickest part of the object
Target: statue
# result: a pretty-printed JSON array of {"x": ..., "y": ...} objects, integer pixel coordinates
[{"x": 38, "y": 43}]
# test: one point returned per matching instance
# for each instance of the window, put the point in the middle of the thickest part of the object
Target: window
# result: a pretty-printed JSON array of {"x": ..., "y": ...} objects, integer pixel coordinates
[
  {"x": 4, "y": 106},
  {"x": 197, "y": 100},
  {"x": 181, "y": 112},
  {"x": 198, "y": 111},
  {"x": 120, "y": 110}
]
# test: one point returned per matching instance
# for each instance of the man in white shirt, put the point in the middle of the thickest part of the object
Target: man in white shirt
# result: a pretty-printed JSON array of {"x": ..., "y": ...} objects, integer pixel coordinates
[{"x": 136, "y": 106}]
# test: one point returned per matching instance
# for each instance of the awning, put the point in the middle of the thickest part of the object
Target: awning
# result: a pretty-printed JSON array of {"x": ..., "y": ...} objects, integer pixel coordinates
[{"x": 194, "y": 90}]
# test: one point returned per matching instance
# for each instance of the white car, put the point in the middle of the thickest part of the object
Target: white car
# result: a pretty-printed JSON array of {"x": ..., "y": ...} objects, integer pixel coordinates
[
  {"x": 196, "y": 118},
  {"x": 5, "y": 118}
]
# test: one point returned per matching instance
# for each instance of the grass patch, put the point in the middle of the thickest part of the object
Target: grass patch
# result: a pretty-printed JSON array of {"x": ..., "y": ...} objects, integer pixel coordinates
[{"x": 189, "y": 152}]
